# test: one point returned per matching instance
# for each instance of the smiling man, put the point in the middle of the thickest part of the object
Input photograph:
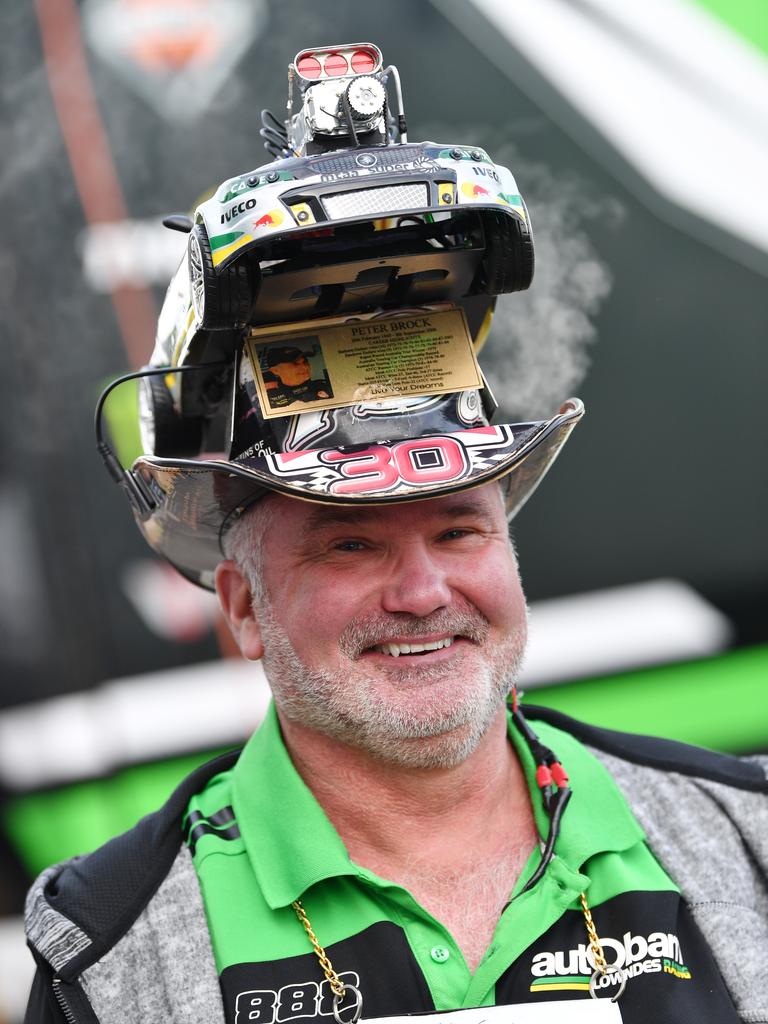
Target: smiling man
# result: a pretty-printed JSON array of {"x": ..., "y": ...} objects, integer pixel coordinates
[
  {"x": 398, "y": 837},
  {"x": 399, "y": 685}
]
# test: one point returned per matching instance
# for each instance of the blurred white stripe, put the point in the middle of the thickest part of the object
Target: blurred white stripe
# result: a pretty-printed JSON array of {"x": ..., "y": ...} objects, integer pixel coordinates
[
  {"x": 619, "y": 629},
  {"x": 687, "y": 107},
  {"x": 699, "y": 47},
  {"x": 143, "y": 718}
]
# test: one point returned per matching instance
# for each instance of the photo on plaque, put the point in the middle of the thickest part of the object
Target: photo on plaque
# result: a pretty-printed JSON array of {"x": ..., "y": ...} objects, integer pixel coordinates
[{"x": 294, "y": 374}]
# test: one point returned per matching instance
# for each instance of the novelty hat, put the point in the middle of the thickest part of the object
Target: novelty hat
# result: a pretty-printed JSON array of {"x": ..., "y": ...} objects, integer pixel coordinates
[{"x": 375, "y": 260}]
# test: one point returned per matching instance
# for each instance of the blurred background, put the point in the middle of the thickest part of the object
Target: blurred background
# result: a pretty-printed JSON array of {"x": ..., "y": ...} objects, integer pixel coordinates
[{"x": 637, "y": 135}]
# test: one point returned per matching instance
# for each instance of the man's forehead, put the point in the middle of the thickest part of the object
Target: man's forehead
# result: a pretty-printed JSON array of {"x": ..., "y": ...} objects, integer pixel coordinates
[{"x": 483, "y": 501}]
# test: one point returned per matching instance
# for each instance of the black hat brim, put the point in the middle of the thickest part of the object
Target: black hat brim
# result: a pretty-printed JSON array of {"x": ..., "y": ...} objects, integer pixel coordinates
[{"x": 197, "y": 500}]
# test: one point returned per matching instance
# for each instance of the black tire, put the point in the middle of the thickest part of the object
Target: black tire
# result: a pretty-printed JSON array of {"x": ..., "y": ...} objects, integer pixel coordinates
[
  {"x": 221, "y": 301},
  {"x": 509, "y": 259},
  {"x": 163, "y": 431}
]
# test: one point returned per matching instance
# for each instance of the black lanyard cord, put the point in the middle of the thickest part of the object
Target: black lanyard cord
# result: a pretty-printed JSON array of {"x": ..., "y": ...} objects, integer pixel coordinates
[
  {"x": 557, "y": 809},
  {"x": 552, "y": 780}
]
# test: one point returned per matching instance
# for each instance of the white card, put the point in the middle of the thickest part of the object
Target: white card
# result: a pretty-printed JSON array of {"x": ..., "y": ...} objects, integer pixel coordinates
[{"x": 563, "y": 1011}]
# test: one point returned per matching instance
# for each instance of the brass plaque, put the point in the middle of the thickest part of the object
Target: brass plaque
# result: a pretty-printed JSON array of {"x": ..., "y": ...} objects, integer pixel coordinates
[{"x": 362, "y": 359}]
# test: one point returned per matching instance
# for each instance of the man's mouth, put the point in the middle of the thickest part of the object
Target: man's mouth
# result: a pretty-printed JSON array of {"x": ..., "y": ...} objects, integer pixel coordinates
[
  {"x": 396, "y": 649},
  {"x": 400, "y": 635}
]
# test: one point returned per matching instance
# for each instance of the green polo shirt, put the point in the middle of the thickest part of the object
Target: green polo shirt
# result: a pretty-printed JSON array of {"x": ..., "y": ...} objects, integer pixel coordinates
[{"x": 260, "y": 840}]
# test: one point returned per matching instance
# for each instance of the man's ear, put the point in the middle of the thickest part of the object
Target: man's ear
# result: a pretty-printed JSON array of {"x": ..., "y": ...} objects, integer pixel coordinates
[{"x": 237, "y": 607}]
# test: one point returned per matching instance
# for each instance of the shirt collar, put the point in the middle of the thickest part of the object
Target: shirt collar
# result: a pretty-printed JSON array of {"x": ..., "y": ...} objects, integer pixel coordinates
[{"x": 292, "y": 845}]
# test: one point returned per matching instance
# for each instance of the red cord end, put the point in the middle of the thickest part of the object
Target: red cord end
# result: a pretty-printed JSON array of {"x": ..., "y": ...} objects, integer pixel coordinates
[
  {"x": 543, "y": 776},
  {"x": 559, "y": 774}
]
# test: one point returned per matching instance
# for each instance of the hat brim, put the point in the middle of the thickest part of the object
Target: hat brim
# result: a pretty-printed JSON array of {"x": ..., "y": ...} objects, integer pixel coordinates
[{"x": 197, "y": 500}]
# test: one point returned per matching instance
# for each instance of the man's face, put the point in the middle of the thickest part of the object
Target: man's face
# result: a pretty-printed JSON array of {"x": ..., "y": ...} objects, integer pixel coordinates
[
  {"x": 293, "y": 372},
  {"x": 396, "y": 629}
]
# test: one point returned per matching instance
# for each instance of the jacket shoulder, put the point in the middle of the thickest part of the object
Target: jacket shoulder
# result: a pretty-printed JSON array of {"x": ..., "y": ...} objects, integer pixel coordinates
[
  {"x": 95, "y": 899},
  {"x": 662, "y": 754}
]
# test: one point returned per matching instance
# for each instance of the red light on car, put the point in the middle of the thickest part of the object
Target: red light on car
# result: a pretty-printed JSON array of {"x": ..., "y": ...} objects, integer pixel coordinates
[
  {"x": 309, "y": 67},
  {"x": 363, "y": 62},
  {"x": 335, "y": 64}
]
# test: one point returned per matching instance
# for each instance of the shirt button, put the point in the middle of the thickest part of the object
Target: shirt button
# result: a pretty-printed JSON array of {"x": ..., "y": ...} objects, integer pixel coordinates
[{"x": 439, "y": 954}]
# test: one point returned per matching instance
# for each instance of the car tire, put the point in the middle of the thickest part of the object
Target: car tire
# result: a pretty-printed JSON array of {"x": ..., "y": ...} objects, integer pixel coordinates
[
  {"x": 220, "y": 301},
  {"x": 509, "y": 259},
  {"x": 163, "y": 432}
]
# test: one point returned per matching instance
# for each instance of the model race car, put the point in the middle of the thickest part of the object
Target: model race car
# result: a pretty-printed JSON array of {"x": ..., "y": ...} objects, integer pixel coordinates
[{"x": 350, "y": 217}]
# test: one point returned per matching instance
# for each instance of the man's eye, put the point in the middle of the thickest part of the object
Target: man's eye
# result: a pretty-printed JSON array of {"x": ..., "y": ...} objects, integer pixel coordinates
[
  {"x": 349, "y": 545},
  {"x": 456, "y": 533}
]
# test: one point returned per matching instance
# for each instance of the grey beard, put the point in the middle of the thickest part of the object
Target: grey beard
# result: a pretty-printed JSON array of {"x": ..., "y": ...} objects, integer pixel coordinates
[{"x": 346, "y": 706}]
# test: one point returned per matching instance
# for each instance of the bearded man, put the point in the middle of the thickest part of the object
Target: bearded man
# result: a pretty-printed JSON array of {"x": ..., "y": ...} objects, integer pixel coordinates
[
  {"x": 400, "y": 836},
  {"x": 395, "y": 838}
]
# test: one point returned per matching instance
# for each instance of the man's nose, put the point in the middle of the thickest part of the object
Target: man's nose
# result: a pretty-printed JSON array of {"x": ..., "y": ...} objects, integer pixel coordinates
[{"x": 416, "y": 583}]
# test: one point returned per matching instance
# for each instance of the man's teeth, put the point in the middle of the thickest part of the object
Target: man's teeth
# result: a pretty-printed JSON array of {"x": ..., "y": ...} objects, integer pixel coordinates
[{"x": 397, "y": 649}]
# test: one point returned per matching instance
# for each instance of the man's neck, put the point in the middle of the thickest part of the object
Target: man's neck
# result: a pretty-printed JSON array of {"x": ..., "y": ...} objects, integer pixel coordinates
[
  {"x": 470, "y": 825},
  {"x": 390, "y": 807}
]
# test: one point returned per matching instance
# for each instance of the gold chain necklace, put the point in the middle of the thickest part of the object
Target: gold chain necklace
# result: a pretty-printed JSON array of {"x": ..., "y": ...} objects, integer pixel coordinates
[
  {"x": 340, "y": 989},
  {"x": 602, "y": 968}
]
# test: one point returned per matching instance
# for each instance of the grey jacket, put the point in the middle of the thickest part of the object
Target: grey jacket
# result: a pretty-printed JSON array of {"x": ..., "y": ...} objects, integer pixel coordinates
[{"x": 121, "y": 936}]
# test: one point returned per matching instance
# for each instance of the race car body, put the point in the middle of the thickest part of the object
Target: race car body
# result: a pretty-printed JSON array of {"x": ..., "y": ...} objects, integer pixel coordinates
[
  {"x": 350, "y": 217},
  {"x": 348, "y": 231},
  {"x": 387, "y": 181}
]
